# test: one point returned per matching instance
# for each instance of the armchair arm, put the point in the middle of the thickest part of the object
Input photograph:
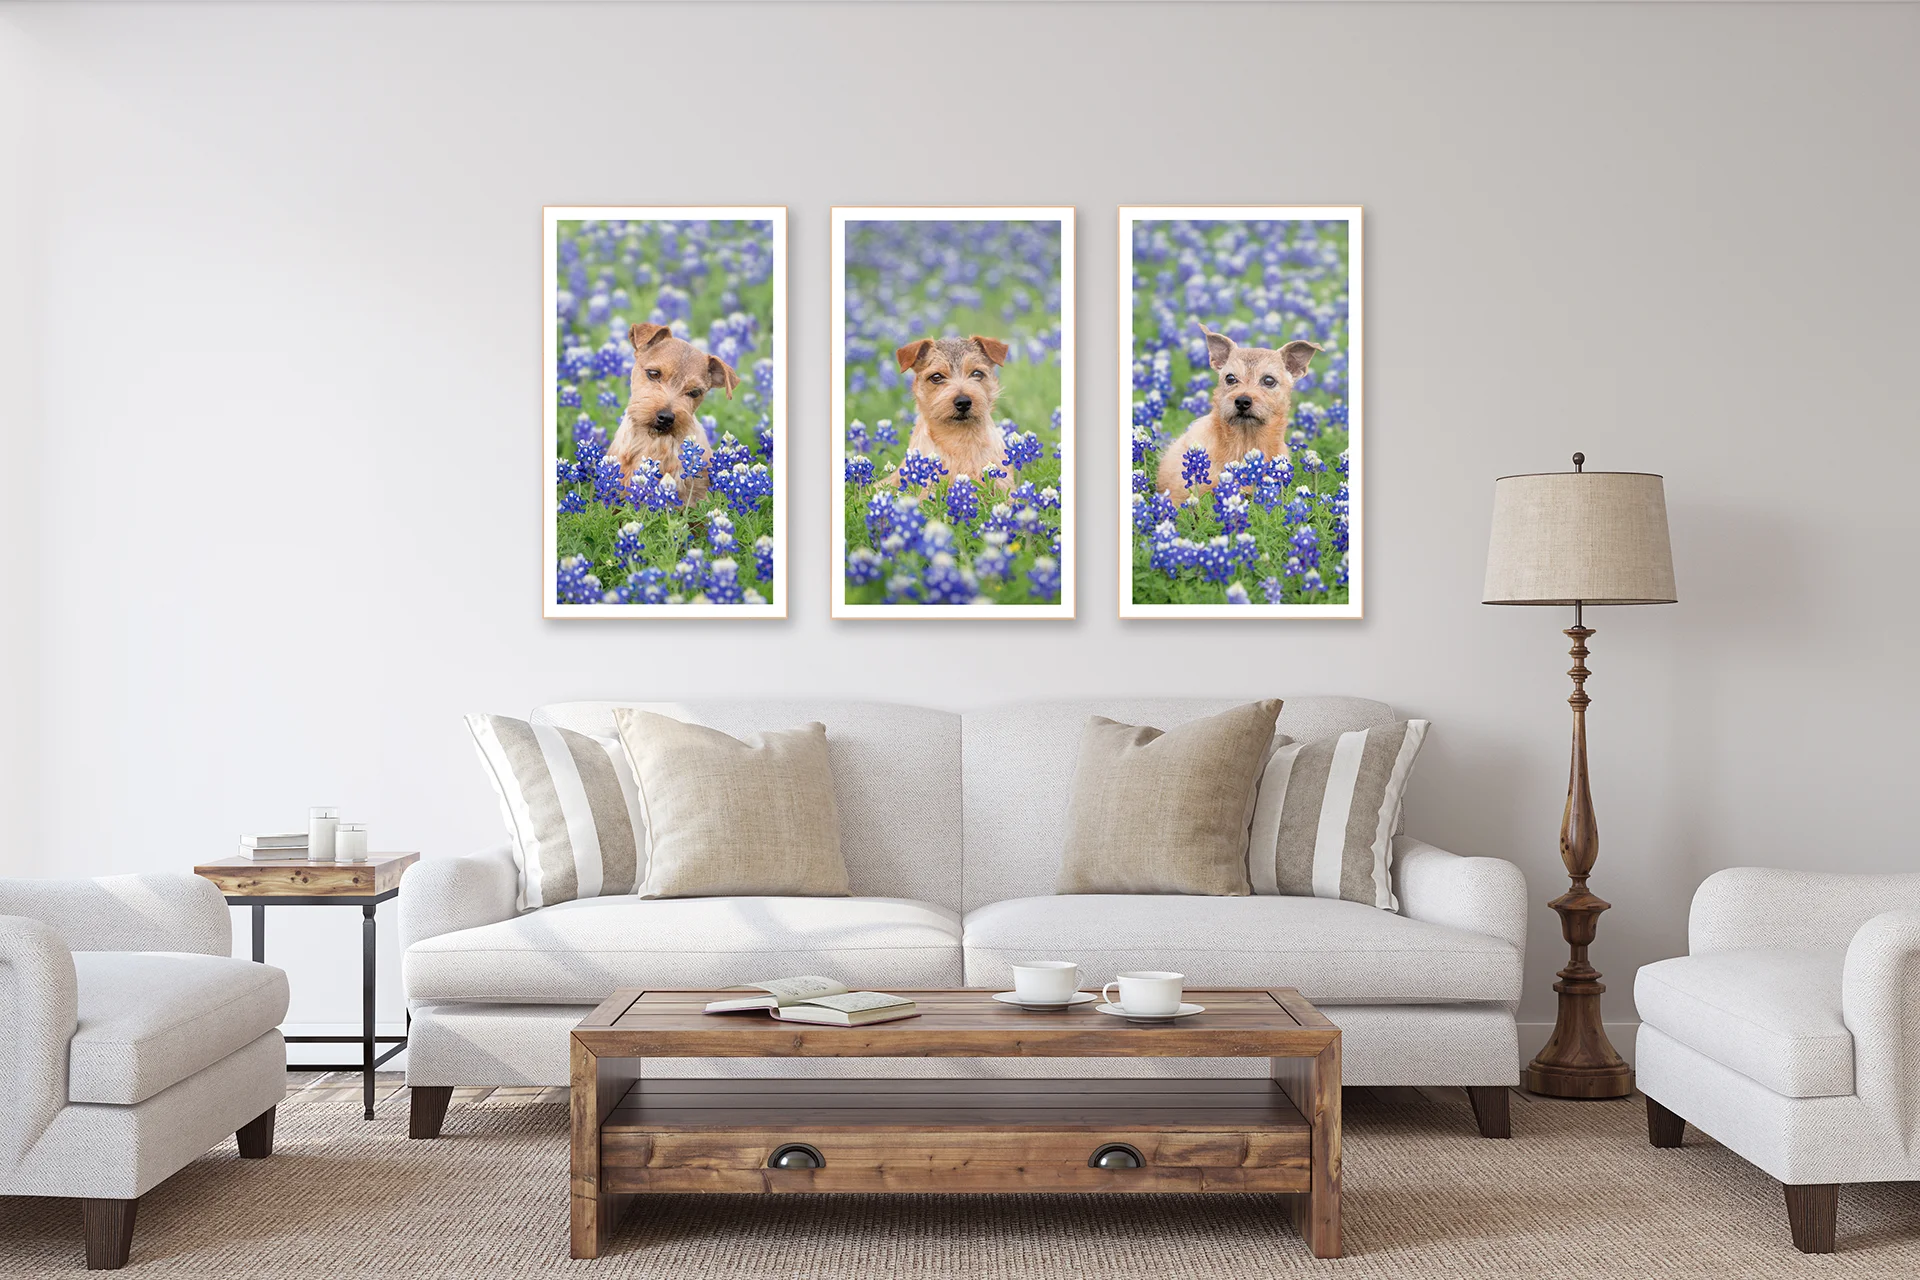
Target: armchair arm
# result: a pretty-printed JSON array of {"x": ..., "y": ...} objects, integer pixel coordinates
[
  {"x": 39, "y": 1011},
  {"x": 445, "y": 895},
  {"x": 160, "y": 911},
  {"x": 1480, "y": 895},
  {"x": 1808, "y": 910},
  {"x": 1880, "y": 1001}
]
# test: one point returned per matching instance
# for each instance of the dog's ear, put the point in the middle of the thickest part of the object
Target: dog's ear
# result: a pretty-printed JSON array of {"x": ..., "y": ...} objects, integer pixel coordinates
[
  {"x": 1219, "y": 347},
  {"x": 913, "y": 353},
  {"x": 645, "y": 335},
  {"x": 1296, "y": 355},
  {"x": 994, "y": 349},
  {"x": 721, "y": 374}
]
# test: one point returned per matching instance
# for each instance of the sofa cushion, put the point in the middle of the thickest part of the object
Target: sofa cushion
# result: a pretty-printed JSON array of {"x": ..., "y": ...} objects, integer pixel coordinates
[
  {"x": 1772, "y": 1014},
  {"x": 150, "y": 1019},
  {"x": 1334, "y": 952},
  {"x": 578, "y": 952}
]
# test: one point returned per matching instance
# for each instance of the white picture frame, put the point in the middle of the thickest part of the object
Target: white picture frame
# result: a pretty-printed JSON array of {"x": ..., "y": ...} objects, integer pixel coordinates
[
  {"x": 770, "y": 399},
  {"x": 1133, "y": 542},
  {"x": 1032, "y": 337}
]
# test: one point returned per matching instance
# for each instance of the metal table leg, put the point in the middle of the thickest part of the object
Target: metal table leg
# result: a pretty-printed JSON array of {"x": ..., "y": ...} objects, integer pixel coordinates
[
  {"x": 259, "y": 933},
  {"x": 367, "y": 1054}
]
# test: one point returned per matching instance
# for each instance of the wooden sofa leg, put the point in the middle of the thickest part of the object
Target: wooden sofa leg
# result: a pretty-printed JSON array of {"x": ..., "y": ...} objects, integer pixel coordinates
[
  {"x": 108, "y": 1226},
  {"x": 1491, "y": 1110},
  {"x": 428, "y": 1109},
  {"x": 1812, "y": 1209},
  {"x": 1664, "y": 1128},
  {"x": 256, "y": 1136}
]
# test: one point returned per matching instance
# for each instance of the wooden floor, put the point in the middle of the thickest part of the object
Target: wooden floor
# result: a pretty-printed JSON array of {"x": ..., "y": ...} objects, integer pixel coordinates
[{"x": 389, "y": 1088}]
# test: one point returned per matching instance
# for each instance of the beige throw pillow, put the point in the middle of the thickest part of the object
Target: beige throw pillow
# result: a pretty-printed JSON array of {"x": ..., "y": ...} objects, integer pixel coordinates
[
  {"x": 1166, "y": 812},
  {"x": 725, "y": 817}
]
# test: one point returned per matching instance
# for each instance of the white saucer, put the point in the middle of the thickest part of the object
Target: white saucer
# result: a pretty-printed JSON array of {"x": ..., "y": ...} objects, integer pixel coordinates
[
  {"x": 1078, "y": 998},
  {"x": 1184, "y": 1011}
]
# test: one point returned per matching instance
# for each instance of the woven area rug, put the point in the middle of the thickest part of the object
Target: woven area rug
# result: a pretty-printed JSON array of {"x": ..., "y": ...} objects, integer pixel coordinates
[{"x": 1576, "y": 1193}]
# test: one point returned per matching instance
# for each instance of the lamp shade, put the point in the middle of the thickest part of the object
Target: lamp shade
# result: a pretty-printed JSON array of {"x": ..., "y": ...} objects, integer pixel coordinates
[{"x": 1579, "y": 537}]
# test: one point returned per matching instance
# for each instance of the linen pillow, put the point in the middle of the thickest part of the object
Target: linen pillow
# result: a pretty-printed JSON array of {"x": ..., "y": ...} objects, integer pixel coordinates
[
  {"x": 572, "y": 807},
  {"x": 1166, "y": 812},
  {"x": 1325, "y": 817},
  {"x": 725, "y": 817}
]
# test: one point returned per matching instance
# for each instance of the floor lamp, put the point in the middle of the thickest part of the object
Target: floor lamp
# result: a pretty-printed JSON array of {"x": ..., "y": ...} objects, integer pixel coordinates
[{"x": 1579, "y": 538}]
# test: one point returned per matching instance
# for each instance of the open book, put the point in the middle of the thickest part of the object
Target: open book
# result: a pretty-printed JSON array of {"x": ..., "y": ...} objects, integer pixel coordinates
[{"x": 812, "y": 998}]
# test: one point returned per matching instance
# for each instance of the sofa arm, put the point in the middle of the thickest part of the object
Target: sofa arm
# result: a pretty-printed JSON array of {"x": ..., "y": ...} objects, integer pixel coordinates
[
  {"x": 1880, "y": 1001},
  {"x": 1480, "y": 895},
  {"x": 445, "y": 895},
  {"x": 39, "y": 1011},
  {"x": 159, "y": 911},
  {"x": 1808, "y": 910}
]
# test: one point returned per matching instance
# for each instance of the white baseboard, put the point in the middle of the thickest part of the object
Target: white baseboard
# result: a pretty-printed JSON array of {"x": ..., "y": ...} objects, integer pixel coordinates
[{"x": 1534, "y": 1035}]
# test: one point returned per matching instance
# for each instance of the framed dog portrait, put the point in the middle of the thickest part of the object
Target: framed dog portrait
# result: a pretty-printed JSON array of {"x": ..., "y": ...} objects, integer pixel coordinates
[
  {"x": 1240, "y": 361},
  {"x": 953, "y": 412},
  {"x": 665, "y": 412}
]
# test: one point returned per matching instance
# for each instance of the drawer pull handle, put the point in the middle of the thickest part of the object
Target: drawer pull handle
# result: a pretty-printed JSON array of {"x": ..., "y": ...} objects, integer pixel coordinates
[
  {"x": 796, "y": 1155},
  {"x": 1117, "y": 1155}
]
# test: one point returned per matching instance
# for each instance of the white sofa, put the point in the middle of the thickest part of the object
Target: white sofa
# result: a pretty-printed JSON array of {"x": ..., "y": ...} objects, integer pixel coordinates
[
  {"x": 1790, "y": 1031},
  {"x": 130, "y": 1043},
  {"x": 953, "y": 826}
]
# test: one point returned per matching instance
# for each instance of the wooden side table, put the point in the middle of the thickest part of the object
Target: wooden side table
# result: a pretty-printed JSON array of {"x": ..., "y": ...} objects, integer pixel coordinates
[{"x": 299, "y": 883}]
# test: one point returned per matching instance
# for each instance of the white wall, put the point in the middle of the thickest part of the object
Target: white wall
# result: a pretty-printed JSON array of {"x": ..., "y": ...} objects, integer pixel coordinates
[{"x": 273, "y": 476}]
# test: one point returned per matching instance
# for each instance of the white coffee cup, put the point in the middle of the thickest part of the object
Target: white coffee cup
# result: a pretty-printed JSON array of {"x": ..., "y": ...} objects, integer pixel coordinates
[
  {"x": 1147, "y": 991},
  {"x": 1046, "y": 981}
]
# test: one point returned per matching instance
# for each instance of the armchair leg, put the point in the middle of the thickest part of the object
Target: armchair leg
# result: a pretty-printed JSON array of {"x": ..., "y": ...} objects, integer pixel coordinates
[
  {"x": 108, "y": 1227},
  {"x": 256, "y": 1136},
  {"x": 428, "y": 1109},
  {"x": 1812, "y": 1209},
  {"x": 1491, "y": 1110},
  {"x": 1664, "y": 1128}
]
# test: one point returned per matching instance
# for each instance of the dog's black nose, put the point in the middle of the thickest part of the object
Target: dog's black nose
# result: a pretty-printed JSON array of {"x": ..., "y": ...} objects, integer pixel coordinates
[
  {"x": 664, "y": 418},
  {"x": 1243, "y": 403},
  {"x": 963, "y": 403}
]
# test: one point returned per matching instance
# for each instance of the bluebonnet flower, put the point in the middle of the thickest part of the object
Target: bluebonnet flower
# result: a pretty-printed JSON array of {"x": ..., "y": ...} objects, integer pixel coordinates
[
  {"x": 720, "y": 533},
  {"x": 649, "y": 586},
  {"x": 1305, "y": 543},
  {"x": 863, "y": 566},
  {"x": 729, "y": 453},
  {"x": 576, "y": 364},
  {"x": 609, "y": 360},
  {"x": 693, "y": 459},
  {"x": 764, "y": 434},
  {"x": 763, "y": 557},
  {"x": 885, "y": 433},
  {"x": 1237, "y": 594},
  {"x": 763, "y": 378},
  {"x": 1340, "y": 573},
  {"x": 921, "y": 469},
  {"x": 993, "y": 473},
  {"x": 1310, "y": 462},
  {"x": 902, "y": 589},
  {"x": 936, "y": 539},
  {"x": 1195, "y": 467},
  {"x": 1142, "y": 445},
  {"x": 691, "y": 570},
  {"x": 879, "y": 516},
  {"x": 722, "y": 583},
  {"x": 1022, "y": 450},
  {"x": 569, "y": 396},
  {"x": 571, "y": 502},
  {"x": 1197, "y": 404},
  {"x": 1140, "y": 482},
  {"x": 1044, "y": 578},
  {"x": 1149, "y": 512},
  {"x": 710, "y": 425},
  {"x": 1233, "y": 512},
  {"x": 652, "y": 488},
  {"x": 993, "y": 561},
  {"x": 575, "y": 583},
  {"x": 608, "y": 398},
  {"x": 1337, "y": 414},
  {"x": 1312, "y": 582},
  {"x": 609, "y": 483},
  {"x": 1306, "y": 418},
  {"x": 1300, "y": 509},
  {"x": 1272, "y": 590},
  {"x": 963, "y": 501},
  {"x": 857, "y": 438},
  {"x": 1048, "y": 499},
  {"x": 947, "y": 582},
  {"x": 1215, "y": 560},
  {"x": 1056, "y": 419},
  {"x": 627, "y": 544},
  {"x": 859, "y": 469},
  {"x": 745, "y": 487},
  {"x": 1340, "y": 465}
]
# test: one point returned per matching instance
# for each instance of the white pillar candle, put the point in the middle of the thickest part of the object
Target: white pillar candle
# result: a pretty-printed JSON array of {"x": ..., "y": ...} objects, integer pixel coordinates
[
  {"x": 350, "y": 842},
  {"x": 322, "y": 823}
]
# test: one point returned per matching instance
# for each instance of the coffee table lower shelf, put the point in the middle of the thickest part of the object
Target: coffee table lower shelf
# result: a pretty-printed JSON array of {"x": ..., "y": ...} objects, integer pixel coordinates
[{"x": 956, "y": 1135}]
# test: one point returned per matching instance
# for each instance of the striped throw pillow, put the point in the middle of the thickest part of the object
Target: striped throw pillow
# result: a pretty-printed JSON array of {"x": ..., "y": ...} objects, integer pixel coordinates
[
  {"x": 1324, "y": 819},
  {"x": 571, "y": 805}
]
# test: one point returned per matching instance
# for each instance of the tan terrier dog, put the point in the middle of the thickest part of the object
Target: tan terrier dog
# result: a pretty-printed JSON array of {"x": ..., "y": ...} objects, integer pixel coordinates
[
  {"x": 1252, "y": 404},
  {"x": 670, "y": 378},
  {"x": 954, "y": 387}
]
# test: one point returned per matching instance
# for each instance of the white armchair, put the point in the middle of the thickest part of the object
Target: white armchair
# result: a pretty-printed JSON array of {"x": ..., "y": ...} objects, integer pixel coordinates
[
  {"x": 130, "y": 1043},
  {"x": 1790, "y": 1032}
]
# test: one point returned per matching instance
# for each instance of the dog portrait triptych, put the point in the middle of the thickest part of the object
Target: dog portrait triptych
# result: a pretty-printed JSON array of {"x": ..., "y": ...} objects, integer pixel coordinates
[{"x": 952, "y": 445}]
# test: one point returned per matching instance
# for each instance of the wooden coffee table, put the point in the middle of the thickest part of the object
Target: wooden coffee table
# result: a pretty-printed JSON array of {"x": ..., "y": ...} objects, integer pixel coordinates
[{"x": 1280, "y": 1135}]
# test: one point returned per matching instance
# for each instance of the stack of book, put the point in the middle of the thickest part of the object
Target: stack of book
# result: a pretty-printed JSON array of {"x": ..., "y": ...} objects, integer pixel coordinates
[{"x": 277, "y": 848}]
